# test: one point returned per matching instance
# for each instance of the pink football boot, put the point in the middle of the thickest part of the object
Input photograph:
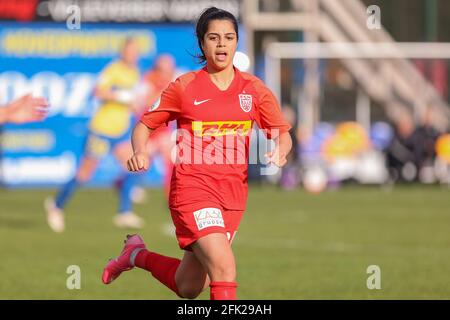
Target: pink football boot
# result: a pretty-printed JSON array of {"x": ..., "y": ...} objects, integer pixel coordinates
[{"x": 125, "y": 261}]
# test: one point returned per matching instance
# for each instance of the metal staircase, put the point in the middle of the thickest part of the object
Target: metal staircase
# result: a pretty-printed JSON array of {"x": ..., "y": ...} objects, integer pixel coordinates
[
  {"x": 393, "y": 82},
  {"x": 399, "y": 81}
]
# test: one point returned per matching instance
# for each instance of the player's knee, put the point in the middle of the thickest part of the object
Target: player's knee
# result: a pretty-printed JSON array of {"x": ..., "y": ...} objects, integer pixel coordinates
[{"x": 223, "y": 272}]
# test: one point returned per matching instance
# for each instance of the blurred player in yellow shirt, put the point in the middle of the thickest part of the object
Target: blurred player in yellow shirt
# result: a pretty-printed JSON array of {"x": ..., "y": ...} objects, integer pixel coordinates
[{"x": 109, "y": 131}]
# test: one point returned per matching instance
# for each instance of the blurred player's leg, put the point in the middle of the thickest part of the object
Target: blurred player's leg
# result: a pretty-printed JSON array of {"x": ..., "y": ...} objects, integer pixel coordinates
[
  {"x": 84, "y": 173},
  {"x": 55, "y": 207},
  {"x": 126, "y": 218},
  {"x": 138, "y": 194}
]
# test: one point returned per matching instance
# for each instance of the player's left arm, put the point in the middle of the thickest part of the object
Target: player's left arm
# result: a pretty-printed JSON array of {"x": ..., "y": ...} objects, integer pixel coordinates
[
  {"x": 283, "y": 145},
  {"x": 167, "y": 108},
  {"x": 270, "y": 118}
]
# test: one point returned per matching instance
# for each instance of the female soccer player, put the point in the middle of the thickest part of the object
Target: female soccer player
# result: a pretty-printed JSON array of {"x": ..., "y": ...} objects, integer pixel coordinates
[
  {"x": 109, "y": 131},
  {"x": 215, "y": 108}
]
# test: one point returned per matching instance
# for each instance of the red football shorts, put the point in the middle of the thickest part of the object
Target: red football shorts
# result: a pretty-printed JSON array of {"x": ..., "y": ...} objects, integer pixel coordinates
[{"x": 193, "y": 222}]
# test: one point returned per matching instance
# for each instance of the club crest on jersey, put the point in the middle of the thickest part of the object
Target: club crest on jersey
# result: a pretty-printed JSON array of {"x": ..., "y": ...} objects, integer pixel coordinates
[{"x": 245, "y": 100}]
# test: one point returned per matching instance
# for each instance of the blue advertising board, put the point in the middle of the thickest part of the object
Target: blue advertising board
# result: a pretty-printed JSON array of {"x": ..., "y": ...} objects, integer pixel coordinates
[{"x": 63, "y": 65}]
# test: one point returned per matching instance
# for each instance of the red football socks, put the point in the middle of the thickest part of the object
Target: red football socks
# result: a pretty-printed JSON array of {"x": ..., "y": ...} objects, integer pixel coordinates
[
  {"x": 161, "y": 267},
  {"x": 223, "y": 290},
  {"x": 164, "y": 268}
]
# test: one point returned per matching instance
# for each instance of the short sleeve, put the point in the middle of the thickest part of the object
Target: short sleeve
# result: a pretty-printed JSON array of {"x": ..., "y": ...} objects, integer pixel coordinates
[
  {"x": 166, "y": 108},
  {"x": 269, "y": 116}
]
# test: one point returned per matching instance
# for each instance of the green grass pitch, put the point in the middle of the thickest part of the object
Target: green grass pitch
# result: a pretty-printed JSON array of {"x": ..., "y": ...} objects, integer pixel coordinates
[{"x": 291, "y": 245}]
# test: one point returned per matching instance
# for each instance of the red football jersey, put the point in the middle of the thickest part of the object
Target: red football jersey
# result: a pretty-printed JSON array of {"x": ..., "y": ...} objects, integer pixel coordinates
[{"x": 214, "y": 129}]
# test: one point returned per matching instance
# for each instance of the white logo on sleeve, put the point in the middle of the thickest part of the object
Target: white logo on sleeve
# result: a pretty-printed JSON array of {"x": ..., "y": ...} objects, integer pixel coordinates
[
  {"x": 208, "y": 217},
  {"x": 155, "y": 105}
]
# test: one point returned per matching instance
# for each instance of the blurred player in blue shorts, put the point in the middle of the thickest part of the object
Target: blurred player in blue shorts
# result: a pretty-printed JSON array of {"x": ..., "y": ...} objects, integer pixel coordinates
[{"x": 109, "y": 131}]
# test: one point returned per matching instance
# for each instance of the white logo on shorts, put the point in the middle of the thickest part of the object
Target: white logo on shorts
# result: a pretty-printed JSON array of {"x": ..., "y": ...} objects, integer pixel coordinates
[{"x": 208, "y": 217}]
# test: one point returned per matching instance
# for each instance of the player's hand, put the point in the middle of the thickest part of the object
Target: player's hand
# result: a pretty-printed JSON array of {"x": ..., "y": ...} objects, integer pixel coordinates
[
  {"x": 139, "y": 161},
  {"x": 27, "y": 109},
  {"x": 276, "y": 157}
]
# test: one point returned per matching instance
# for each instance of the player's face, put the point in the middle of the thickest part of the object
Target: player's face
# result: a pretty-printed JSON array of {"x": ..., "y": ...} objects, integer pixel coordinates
[
  {"x": 219, "y": 44},
  {"x": 130, "y": 53}
]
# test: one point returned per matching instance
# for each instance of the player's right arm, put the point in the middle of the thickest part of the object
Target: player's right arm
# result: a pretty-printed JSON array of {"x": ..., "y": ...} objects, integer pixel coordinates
[
  {"x": 166, "y": 109},
  {"x": 139, "y": 160}
]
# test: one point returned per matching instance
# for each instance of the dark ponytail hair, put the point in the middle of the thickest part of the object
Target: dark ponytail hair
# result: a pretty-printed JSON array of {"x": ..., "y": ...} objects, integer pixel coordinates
[{"x": 212, "y": 13}]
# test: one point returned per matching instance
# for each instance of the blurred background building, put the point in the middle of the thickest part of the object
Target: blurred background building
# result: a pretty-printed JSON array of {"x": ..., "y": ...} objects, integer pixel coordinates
[{"x": 365, "y": 83}]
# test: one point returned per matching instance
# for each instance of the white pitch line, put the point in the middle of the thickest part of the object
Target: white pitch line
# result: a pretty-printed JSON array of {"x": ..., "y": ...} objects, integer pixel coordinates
[{"x": 339, "y": 247}]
